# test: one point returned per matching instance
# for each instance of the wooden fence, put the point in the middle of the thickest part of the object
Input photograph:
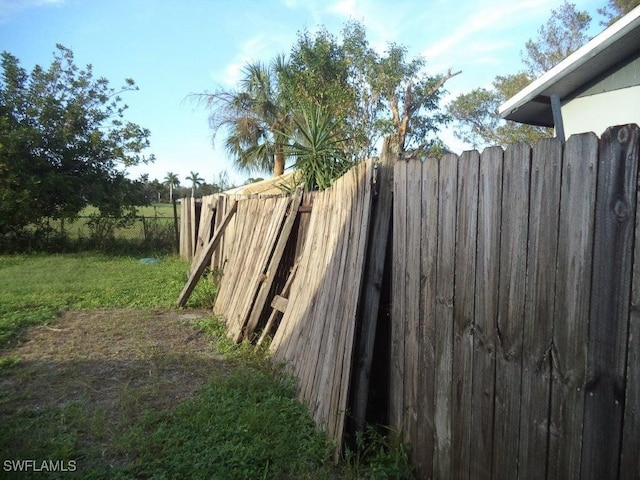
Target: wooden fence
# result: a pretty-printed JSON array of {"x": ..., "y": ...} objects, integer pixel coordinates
[
  {"x": 515, "y": 289},
  {"x": 515, "y": 323},
  {"x": 317, "y": 332}
]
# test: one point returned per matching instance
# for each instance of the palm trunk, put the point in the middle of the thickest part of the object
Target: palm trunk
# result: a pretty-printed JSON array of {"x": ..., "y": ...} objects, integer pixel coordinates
[{"x": 278, "y": 161}]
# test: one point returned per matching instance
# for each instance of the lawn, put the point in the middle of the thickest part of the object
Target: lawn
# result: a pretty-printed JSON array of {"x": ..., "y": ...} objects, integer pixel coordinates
[{"x": 102, "y": 377}]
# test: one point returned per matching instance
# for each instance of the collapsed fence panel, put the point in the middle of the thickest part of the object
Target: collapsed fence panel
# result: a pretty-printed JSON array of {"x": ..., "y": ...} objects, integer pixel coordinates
[{"x": 512, "y": 339}]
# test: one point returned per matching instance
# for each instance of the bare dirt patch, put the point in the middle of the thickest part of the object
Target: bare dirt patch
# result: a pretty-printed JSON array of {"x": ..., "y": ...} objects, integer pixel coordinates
[
  {"x": 95, "y": 355},
  {"x": 115, "y": 364}
]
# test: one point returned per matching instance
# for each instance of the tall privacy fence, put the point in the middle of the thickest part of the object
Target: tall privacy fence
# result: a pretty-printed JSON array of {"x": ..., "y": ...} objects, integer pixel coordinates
[
  {"x": 515, "y": 336},
  {"x": 512, "y": 346}
]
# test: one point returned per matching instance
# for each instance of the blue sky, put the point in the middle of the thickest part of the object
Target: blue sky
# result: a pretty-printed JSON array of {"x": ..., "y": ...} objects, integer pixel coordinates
[{"x": 174, "y": 48}]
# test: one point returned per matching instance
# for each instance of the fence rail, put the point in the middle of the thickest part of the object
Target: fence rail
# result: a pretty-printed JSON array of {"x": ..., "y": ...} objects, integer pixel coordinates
[{"x": 514, "y": 349}]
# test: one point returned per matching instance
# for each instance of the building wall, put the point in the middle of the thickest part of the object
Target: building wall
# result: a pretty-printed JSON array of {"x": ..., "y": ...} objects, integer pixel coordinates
[
  {"x": 612, "y": 98},
  {"x": 595, "y": 113}
]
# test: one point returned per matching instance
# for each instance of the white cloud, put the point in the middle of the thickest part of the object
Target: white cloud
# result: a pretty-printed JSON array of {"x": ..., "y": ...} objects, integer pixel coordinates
[
  {"x": 10, "y": 8},
  {"x": 344, "y": 7},
  {"x": 491, "y": 17}
]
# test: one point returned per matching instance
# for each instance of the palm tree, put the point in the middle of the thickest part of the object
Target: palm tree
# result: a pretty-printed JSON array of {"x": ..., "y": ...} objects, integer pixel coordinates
[
  {"x": 195, "y": 180},
  {"x": 256, "y": 117},
  {"x": 172, "y": 181}
]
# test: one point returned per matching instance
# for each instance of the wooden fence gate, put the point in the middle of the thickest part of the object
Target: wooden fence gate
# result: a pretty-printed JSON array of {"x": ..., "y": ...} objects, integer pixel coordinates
[{"x": 515, "y": 323}]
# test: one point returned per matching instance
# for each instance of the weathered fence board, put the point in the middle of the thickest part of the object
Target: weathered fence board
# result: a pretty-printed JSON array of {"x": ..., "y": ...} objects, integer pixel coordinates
[
  {"x": 527, "y": 361},
  {"x": 630, "y": 457},
  {"x": 273, "y": 263},
  {"x": 374, "y": 275},
  {"x": 573, "y": 297},
  {"x": 486, "y": 311},
  {"x": 443, "y": 358},
  {"x": 396, "y": 390},
  {"x": 463, "y": 314},
  {"x": 425, "y": 448},
  {"x": 511, "y": 291},
  {"x": 539, "y": 306},
  {"x": 200, "y": 263},
  {"x": 612, "y": 264},
  {"x": 412, "y": 294},
  {"x": 259, "y": 223}
]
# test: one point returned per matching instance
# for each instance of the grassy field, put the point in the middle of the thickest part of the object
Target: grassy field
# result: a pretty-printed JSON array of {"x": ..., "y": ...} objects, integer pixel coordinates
[
  {"x": 101, "y": 377},
  {"x": 153, "y": 210},
  {"x": 152, "y": 229}
]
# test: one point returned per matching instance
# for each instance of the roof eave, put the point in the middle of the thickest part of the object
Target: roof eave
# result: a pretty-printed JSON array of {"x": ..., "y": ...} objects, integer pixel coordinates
[{"x": 540, "y": 90}]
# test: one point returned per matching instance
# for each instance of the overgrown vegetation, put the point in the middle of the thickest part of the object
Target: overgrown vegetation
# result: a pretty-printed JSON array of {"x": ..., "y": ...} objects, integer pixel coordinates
[
  {"x": 131, "y": 392},
  {"x": 326, "y": 104}
]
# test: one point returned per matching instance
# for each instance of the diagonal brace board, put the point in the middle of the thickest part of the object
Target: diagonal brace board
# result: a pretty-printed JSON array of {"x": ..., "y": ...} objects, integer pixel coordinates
[{"x": 205, "y": 258}]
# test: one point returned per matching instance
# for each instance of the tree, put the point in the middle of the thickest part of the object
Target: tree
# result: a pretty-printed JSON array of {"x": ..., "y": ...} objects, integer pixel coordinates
[
  {"x": 476, "y": 113},
  {"x": 172, "y": 181},
  {"x": 318, "y": 148},
  {"x": 255, "y": 116},
  {"x": 373, "y": 95},
  {"x": 563, "y": 34},
  {"x": 477, "y": 116},
  {"x": 64, "y": 143},
  {"x": 615, "y": 9},
  {"x": 358, "y": 92},
  {"x": 195, "y": 180}
]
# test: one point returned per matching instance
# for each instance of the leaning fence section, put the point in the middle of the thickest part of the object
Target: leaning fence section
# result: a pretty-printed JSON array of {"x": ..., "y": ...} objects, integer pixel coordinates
[
  {"x": 291, "y": 268},
  {"x": 515, "y": 322}
]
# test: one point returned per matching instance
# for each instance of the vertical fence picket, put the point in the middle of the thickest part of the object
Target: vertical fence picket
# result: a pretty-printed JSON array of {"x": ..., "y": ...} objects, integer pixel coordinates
[
  {"x": 486, "y": 311},
  {"x": 630, "y": 457},
  {"x": 447, "y": 197},
  {"x": 413, "y": 342},
  {"x": 509, "y": 326},
  {"x": 424, "y": 450},
  {"x": 538, "y": 322},
  {"x": 463, "y": 312},
  {"x": 396, "y": 383},
  {"x": 573, "y": 297}
]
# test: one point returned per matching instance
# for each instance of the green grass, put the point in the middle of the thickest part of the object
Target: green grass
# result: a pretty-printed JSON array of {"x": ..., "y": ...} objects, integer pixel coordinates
[
  {"x": 243, "y": 422},
  {"x": 246, "y": 426},
  {"x": 35, "y": 287}
]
